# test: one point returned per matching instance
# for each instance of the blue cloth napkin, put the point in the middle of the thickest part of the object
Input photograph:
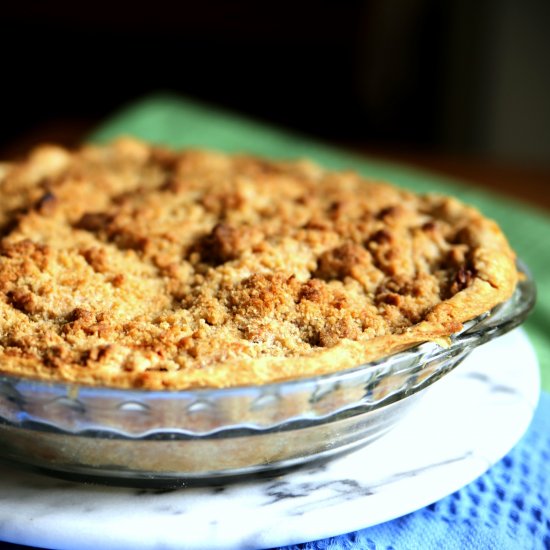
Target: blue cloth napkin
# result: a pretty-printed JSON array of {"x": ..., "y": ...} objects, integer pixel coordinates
[{"x": 506, "y": 508}]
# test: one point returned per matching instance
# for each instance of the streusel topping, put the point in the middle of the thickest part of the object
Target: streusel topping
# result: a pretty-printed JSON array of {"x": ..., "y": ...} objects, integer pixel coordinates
[{"x": 130, "y": 265}]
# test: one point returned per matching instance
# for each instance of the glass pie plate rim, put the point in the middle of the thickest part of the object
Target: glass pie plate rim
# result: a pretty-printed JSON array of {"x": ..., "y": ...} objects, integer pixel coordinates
[{"x": 325, "y": 408}]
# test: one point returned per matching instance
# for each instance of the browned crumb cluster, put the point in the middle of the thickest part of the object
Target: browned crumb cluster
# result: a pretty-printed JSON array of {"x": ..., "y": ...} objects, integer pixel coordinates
[{"x": 136, "y": 266}]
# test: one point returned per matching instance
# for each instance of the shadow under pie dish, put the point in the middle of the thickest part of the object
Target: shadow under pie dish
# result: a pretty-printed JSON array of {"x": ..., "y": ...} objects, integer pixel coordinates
[{"x": 192, "y": 315}]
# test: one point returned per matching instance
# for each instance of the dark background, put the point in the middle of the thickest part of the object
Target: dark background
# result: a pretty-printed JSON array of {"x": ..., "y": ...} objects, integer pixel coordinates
[{"x": 457, "y": 77}]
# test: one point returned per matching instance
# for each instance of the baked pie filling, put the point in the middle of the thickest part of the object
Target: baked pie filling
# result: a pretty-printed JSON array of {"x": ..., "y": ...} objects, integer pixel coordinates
[{"x": 135, "y": 266}]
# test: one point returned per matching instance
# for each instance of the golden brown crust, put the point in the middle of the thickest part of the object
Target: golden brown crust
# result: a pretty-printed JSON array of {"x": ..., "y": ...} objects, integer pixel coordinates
[{"x": 136, "y": 266}]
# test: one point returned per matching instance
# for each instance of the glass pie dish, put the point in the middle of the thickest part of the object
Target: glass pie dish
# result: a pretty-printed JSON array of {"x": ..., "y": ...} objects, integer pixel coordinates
[{"x": 160, "y": 438}]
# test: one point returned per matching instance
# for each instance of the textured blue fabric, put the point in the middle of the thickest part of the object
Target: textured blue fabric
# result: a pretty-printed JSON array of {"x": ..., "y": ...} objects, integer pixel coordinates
[{"x": 506, "y": 508}]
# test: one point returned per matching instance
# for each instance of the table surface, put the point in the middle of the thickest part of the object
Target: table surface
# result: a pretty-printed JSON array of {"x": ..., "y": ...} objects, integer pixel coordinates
[{"x": 530, "y": 185}]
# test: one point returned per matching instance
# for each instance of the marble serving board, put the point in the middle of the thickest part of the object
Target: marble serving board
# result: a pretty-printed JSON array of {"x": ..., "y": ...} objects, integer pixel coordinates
[{"x": 465, "y": 423}]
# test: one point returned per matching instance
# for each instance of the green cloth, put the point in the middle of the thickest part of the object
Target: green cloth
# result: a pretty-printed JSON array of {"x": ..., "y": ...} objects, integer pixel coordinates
[{"x": 178, "y": 121}]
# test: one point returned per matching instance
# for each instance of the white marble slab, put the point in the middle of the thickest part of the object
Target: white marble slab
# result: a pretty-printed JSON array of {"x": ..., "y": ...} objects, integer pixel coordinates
[{"x": 464, "y": 424}]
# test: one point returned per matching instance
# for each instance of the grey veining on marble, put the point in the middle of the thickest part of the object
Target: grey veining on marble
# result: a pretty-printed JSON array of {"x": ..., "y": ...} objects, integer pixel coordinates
[{"x": 462, "y": 426}]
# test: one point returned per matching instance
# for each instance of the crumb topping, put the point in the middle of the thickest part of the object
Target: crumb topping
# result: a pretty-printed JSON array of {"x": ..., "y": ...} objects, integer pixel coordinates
[{"x": 130, "y": 265}]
